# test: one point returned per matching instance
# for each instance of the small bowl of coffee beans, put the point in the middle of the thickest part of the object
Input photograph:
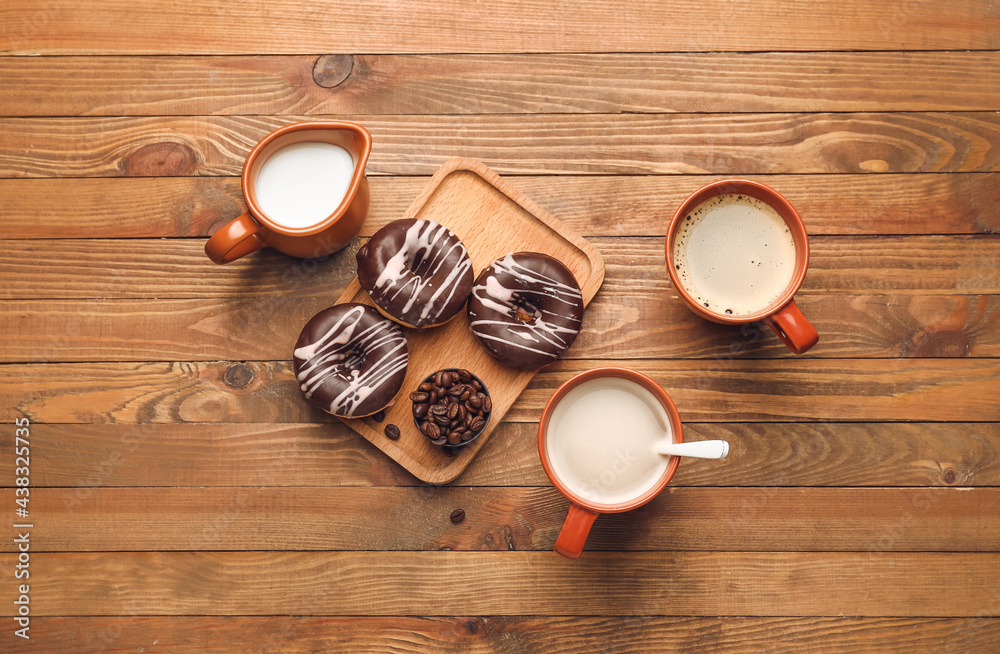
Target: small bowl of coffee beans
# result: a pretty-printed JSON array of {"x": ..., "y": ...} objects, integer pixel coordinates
[{"x": 451, "y": 407}]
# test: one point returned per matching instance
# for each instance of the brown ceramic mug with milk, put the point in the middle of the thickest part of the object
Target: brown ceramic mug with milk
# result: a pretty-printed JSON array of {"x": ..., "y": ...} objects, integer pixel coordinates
[
  {"x": 306, "y": 191},
  {"x": 737, "y": 252},
  {"x": 598, "y": 440}
]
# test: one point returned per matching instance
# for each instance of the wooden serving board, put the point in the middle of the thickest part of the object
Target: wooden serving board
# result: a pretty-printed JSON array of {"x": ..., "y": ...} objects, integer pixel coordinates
[{"x": 492, "y": 218}]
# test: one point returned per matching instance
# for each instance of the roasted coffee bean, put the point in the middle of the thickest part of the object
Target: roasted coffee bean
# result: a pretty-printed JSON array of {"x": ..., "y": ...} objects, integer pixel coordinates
[
  {"x": 437, "y": 410},
  {"x": 418, "y": 397},
  {"x": 445, "y": 379},
  {"x": 466, "y": 395},
  {"x": 438, "y": 376},
  {"x": 453, "y": 439},
  {"x": 457, "y": 516},
  {"x": 467, "y": 435},
  {"x": 452, "y": 411},
  {"x": 464, "y": 375},
  {"x": 431, "y": 430},
  {"x": 441, "y": 440},
  {"x": 475, "y": 402},
  {"x": 487, "y": 404},
  {"x": 419, "y": 410},
  {"x": 379, "y": 416},
  {"x": 454, "y": 423},
  {"x": 425, "y": 387},
  {"x": 477, "y": 385},
  {"x": 392, "y": 432},
  {"x": 432, "y": 397},
  {"x": 477, "y": 424},
  {"x": 462, "y": 412},
  {"x": 456, "y": 390},
  {"x": 442, "y": 420}
]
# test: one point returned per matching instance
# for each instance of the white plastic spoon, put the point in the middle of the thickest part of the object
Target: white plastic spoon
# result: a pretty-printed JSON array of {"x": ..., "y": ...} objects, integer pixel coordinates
[{"x": 696, "y": 449}]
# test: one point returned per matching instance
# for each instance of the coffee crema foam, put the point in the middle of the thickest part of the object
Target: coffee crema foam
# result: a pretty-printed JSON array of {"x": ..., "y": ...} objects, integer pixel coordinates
[
  {"x": 601, "y": 440},
  {"x": 734, "y": 254}
]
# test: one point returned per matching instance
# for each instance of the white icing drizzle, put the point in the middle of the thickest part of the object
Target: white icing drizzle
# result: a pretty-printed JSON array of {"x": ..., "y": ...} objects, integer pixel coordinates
[
  {"x": 340, "y": 342},
  {"x": 397, "y": 277},
  {"x": 498, "y": 299}
]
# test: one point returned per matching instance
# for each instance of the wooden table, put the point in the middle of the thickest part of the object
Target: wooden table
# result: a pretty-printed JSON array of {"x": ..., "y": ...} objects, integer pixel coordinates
[{"x": 183, "y": 495}]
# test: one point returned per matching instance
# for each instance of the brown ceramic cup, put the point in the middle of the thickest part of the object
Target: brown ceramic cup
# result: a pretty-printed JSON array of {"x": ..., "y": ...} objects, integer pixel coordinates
[
  {"x": 583, "y": 512},
  {"x": 255, "y": 230},
  {"x": 781, "y": 315}
]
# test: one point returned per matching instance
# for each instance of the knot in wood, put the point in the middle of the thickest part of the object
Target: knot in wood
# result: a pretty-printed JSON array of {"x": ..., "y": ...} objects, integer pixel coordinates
[
  {"x": 949, "y": 476},
  {"x": 239, "y": 375},
  {"x": 948, "y": 343},
  {"x": 161, "y": 160},
  {"x": 330, "y": 71}
]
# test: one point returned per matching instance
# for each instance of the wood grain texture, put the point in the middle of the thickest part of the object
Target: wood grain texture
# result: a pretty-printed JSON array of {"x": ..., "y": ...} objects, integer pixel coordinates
[
  {"x": 947, "y": 203},
  {"x": 871, "y": 584},
  {"x": 685, "y": 519},
  {"x": 161, "y": 27},
  {"x": 524, "y": 634},
  {"x": 178, "y": 269},
  {"x": 864, "y": 326},
  {"x": 730, "y": 144},
  {"x": 802, "y": 390},
  {"x": 78, "y": 458},
  {"x": 498, "y": 84}
]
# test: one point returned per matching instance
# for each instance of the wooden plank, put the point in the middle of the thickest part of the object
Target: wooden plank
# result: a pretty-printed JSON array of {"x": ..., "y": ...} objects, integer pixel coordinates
[
  {"x": 881, "y": 454},
  {"x": 178, "y": 269},
  {"x": 498, "y": 84},
  {"x": 876, "y": 326},
  {"x": 730, "y": 144},
  {"x": 948, "y": 203},
  {"x": 491, "y": 634},
  {"x": 160, "y": 27},
  {"x": 78, "y": 458},
  {"x": 873, "y": 584},
  {"x": 802, "y": 390},
  {"x": 689, "y": 519}
]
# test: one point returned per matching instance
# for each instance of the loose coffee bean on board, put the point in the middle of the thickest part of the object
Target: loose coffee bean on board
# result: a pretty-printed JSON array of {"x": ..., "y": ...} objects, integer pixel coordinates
[
  {"x": 392, "y": 432},
  {"x": 457, "y": 516}
]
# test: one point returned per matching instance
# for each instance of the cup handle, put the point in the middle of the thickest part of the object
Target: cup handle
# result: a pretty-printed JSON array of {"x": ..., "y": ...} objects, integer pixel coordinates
[
  {"x": 792, "y": 328},
  {"x": 574, "y": 531},
  {"x": 237, "y": 239}
]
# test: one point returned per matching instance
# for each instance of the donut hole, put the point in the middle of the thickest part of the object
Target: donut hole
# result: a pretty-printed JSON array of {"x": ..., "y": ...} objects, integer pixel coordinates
[
  {"x": 523, "y": 310},
  {"x": 354, "y": 358}
]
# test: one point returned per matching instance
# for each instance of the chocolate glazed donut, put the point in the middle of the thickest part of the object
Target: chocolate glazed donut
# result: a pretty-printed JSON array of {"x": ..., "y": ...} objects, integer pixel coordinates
[
  {"x": 526, "y": 309},
  {"x": 350, "y": 361},
  {"x": 416, "y": 271}
]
